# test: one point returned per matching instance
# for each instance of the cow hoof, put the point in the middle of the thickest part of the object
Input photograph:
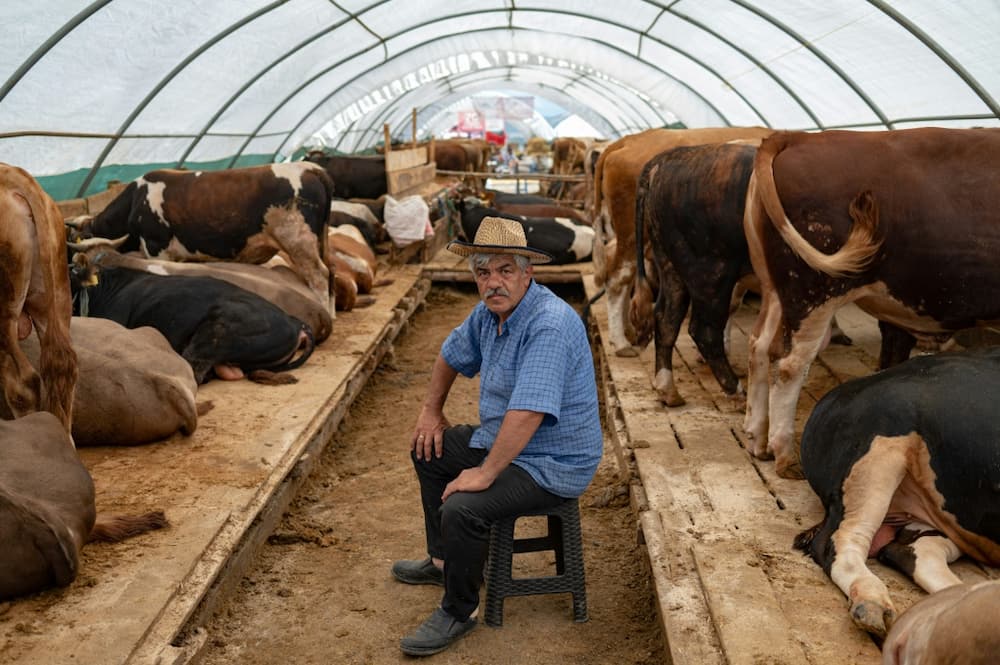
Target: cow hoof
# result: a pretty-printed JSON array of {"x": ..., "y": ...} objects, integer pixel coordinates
[
  {"x": 873, "y": 618},
  {"x": 790, "y": 470},
  {"x": 761, "y": 454},
  {"x": 627, "y": 352},
  {"x": 672, "y": 399}
]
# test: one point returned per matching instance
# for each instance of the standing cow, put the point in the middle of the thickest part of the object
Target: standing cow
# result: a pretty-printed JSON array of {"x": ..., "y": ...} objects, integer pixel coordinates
[
  {"x": 245, "y": 215},
  {"x": 34, "y": 293},
  {"x": 616, "y": 177},
  {"x": 689, "y": 213},
  {"x": 907, "y": 465},
  {"x": 905, "y": 223}
]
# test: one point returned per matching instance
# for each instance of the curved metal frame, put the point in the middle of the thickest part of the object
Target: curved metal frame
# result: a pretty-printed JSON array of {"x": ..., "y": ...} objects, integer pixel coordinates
[{"x": 895, "y": 15}]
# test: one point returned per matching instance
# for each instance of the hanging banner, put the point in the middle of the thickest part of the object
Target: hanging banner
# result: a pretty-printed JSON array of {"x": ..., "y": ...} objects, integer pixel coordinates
[{"x": 471, "y": 121}]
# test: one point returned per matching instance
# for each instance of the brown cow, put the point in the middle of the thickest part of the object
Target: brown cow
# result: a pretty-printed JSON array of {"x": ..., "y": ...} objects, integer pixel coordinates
[
  {"x": 954, "y": 625},
  {"x": 905, "y": 223},
  {"x": 133, "y": 388},
  {"x": 47, "y": 509},
  {"x": 616, "y": 177},
  {"x": 34, "y": 290},
  {"x": 246, "y": 215}
]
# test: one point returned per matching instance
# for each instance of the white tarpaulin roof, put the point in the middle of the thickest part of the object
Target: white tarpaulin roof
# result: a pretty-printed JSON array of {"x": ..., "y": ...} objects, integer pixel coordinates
[{"x": 91, "y": 86}]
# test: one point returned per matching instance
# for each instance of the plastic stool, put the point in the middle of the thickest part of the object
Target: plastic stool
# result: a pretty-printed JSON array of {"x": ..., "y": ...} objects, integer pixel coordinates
[{"x": 563, "y": 538}]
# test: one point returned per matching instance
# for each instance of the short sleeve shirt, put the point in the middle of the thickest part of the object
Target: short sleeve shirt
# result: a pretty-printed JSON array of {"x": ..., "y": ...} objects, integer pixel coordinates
[{"x": 540, "y": 361}]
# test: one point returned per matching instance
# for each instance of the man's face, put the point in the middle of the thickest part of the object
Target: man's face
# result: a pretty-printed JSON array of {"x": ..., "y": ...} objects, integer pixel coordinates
[{"x": 502, "y": 284}]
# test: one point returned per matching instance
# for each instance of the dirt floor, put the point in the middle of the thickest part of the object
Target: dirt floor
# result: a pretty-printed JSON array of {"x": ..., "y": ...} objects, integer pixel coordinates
[{"x": 321, "y": 591}]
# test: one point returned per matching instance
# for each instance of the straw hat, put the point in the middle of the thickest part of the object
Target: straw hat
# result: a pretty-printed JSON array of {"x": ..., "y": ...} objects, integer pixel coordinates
[{"x": 497, "y": 235}]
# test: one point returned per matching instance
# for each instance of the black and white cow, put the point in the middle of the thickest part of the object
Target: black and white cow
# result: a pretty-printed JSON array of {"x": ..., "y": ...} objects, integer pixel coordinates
[
  {"x": 215, "y": 325},
  {"x": 566, "y": 240},
  {"x": 907, "y": 465}
]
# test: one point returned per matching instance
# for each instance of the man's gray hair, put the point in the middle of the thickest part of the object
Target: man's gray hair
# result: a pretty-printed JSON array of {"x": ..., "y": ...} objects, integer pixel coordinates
[{"x": 480, "y": 260}]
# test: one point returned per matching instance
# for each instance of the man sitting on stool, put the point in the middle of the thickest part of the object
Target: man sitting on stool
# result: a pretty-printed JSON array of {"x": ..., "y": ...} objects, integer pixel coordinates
[{"x": 539, "y": 439}]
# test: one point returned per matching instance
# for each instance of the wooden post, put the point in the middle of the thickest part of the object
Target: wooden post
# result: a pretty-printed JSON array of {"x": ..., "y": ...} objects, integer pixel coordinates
[
  {"x": 430, "y": 150},
  {"x": 387, "y": 138},
  {"x": 413, "y": 125}
]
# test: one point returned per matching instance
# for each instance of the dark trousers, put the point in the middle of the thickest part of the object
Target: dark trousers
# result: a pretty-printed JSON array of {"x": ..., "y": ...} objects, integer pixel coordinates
[{"x": 458, "y": 531}]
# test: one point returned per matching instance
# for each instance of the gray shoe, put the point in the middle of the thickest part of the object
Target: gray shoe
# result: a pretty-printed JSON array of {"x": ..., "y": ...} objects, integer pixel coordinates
[
  {"x": 418, "y": 572},
  {"x": 435, "y": 634}
]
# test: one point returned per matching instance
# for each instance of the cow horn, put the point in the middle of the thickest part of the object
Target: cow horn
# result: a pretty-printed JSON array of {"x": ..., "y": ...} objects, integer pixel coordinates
[{"x": 84, "y": 245}]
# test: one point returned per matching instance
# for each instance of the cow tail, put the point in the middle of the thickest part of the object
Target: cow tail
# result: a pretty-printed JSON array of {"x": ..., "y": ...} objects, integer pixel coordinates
[
  {"x": 857, "y": 251},
  {"x": 599, "y": 255},
  {"x": 113, "y": 528},
  {"x": 642, "y": 295},
  {"x": 304, "y": 356}
]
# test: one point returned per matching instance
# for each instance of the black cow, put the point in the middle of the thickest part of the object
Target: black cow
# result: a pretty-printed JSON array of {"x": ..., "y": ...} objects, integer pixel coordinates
[
  {"x": 214, "y": 325},
  {"x": 907, "y": 465},
  {"x": 354, "y": 176},
  {"x": 246, "y": 215},
  {"x": 563, "y": 238}
]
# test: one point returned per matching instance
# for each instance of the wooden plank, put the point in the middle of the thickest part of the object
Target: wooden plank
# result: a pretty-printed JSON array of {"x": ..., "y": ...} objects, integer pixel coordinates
[
  {"x": 72, "y": 207},
  {"x": 410, "y": 178},
  {"x": 733, "y": 584},
  {"x": 401, "y": 159}
]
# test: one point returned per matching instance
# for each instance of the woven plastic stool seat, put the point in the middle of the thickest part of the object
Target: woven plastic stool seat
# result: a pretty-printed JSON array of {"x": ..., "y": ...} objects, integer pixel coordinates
[{"x": 563, "y": 538}]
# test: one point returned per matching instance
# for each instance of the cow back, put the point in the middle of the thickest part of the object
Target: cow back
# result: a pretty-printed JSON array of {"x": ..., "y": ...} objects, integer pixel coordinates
[{"x": 934, "y": 213}]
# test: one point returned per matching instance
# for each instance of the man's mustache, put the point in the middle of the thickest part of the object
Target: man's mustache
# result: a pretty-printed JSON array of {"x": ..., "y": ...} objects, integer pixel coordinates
[{"x": 498, "y": 291}]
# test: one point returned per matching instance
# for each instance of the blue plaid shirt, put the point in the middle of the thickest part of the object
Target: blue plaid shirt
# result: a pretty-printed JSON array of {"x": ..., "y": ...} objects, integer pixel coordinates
[{"x": 540, "y": 362}]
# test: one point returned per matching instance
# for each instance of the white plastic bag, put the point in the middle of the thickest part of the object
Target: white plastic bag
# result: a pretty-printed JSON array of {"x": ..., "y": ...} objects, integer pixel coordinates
[{"x": 407, "y": 220}]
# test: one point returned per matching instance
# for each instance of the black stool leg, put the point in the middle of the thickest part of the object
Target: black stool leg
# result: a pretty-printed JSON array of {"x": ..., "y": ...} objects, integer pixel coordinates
[{"x": 498, "y": 569}]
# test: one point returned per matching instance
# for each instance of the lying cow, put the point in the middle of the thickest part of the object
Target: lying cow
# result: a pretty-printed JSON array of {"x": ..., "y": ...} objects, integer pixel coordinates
[
  {"x": 48, "y": 511},
  {"x": 219, "y": 328},
  {"x": 246, "y": 215},
  {"x": 36, "y": 294},
  {"x": 565, "y": 240},
  {"x": 905, "y": 223},
  {"x": 279, "y": 285},
  {"x": 954, "y": 625},
  {"x": 905, "y": 463},
  {"x": 133, "y": 387}
]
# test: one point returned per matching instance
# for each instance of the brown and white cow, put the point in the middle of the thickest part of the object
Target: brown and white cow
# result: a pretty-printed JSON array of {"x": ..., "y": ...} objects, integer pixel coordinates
[
  {"x": 246, "y": 215},
  {"x": 34, "y": 292},
  {"x": 905, "y": 223},
  {"x": 615, "y": 180},
  {"x": 905, "y": 462},
  {"x": 47, "y": 509},
  {"x": 133, "y": 388}
]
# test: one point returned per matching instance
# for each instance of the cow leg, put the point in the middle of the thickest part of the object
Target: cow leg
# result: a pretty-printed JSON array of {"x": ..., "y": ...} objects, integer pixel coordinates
[
  {"x": 21, "y": 384},
  {"x": 302, "y": 247},
  {"x": 765, "y": 328},
  {"x": 618, "y": 302},
  {"x": 707, "y": 328},
  {"x": 896, "y": 345},
  {"x": 868, "y": 491},
  {"x": 923, "y": 553},
  {"x": 671, "y": 306},
  {"x": 806, "y": 343}
]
